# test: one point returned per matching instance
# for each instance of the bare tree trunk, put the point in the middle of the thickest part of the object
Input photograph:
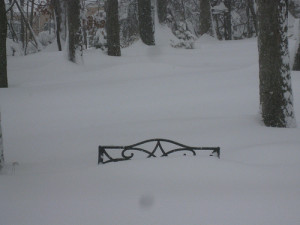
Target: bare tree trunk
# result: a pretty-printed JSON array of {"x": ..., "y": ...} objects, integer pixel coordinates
[
  {"x": 254, "y": 17},
  {"x": 276, "y": 97},
  {"x": 162, "y": 10},
  {"x": 57, "y": 11},
  {"x": 84, "y": 25},
  {"x": 31, "y": 16},
  {"x": 74, "y": 28},
  {"x": 227, "y": 21},
  {"x": 26, "y": 33},
  {"x": 146, "y": 25},
  {"x": 22, "y": 34},
  {"x": 113, "y": 28},
  {"x": 217, "y": 28},
  {"x": 205, "y": 17},
  {"x": 3, "y": 34},
  {"x": 13, "y": 33}
]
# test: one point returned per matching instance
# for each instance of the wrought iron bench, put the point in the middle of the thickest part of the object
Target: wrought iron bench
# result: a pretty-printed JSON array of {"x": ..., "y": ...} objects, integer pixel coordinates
[{"x": 107, "y": 154}]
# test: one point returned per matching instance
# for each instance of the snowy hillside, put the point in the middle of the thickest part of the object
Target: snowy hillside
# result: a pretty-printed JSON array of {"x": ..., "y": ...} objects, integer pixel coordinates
[{"x": 55, "y": 114}]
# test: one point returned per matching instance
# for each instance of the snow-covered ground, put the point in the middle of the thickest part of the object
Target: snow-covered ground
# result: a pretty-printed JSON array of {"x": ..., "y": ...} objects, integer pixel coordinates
[{"x": 55, "y": 114}]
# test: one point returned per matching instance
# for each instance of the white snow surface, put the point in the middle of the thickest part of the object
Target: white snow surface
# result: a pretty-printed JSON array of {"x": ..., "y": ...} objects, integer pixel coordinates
[{"x": 56, "y": 113}]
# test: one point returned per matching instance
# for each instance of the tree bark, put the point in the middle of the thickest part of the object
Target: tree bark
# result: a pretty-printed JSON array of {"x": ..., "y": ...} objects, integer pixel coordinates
[
  {"x": 3, "y": 34},
  {"x": 74, "y": 28},
  {"x": 227, "y": 21},
  {"x": 22, "y": 33},
  {"x": 31, "y": 16},
  {"x": 113, "y": 29},
  {"x": 205, "y": 17},
  {"x": 57, "y": 11},
  {"x": 162, "y": 10},
  {"x": 26, "y": 33},
  {"x": 146, "y": 25},
  {"x": 276, "y": 97}
]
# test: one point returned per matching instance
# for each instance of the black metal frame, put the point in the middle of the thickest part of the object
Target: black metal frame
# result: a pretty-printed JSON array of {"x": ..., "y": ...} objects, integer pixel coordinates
[{"x": 136, "y": 147}]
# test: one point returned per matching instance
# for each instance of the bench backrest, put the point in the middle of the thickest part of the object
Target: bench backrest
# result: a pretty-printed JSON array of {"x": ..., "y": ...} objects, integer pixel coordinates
[{"x": 127, "y": 152}]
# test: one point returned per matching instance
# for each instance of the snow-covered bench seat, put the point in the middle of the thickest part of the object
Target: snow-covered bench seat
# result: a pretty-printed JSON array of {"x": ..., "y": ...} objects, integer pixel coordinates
[{"x": 152, "y": 148}]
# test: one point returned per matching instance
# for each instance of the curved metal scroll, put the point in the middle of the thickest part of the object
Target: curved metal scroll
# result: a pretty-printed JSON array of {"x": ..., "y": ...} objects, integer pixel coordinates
[{"x": 128, "y": 151}]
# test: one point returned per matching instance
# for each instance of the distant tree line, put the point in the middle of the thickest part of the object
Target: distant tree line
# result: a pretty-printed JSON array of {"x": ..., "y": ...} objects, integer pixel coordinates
[{"x": 188, "y": 19}]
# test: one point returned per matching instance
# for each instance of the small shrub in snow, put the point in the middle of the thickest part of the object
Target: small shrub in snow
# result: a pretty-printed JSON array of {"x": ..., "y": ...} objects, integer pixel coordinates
[
  {"x": 129, "y": 26},
  {"x": 100, "y": 39},
  {"x": 186, "y": 38},
  {"x": 128, "y": 31},
  {"x": 45, "y": 38},
  {"x": 187, "y": 44},
  {"x": 30, "y": 49},
  {"x": 13, "y": 48}
]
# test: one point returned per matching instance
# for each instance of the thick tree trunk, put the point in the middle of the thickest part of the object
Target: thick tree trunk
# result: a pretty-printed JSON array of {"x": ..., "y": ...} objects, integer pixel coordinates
[
  {"x": 3, "y": 33},
  {"x": 276, "y": 97},
  {"x": 205, "y": 17},
  {"x": 146, "y": 25},
  {"x": 113, "y": 28},
  {"x": 74, "y": 28},
  {"x": 162, "y": 10}
]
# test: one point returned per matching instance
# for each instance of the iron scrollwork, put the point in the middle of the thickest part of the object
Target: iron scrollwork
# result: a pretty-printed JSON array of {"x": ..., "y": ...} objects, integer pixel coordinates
[{"x": 127, "y": 152}]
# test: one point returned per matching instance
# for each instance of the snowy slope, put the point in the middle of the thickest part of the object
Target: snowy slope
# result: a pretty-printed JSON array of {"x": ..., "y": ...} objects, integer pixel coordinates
[{"x": 56, "y": 113}]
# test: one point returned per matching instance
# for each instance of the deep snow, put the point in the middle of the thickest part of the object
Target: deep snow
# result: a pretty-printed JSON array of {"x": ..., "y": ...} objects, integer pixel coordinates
[{"x": 55, "y": 114}]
